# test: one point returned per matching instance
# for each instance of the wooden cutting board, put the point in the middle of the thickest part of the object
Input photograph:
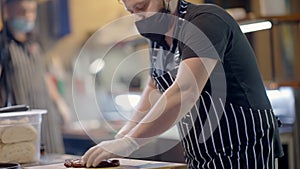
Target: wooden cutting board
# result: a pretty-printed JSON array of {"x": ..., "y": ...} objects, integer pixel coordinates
[{"x": 125, "y": 164}]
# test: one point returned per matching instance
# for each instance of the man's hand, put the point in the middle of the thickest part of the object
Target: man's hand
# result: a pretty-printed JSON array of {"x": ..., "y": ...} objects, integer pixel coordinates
[{"x": 122, "y": 147}]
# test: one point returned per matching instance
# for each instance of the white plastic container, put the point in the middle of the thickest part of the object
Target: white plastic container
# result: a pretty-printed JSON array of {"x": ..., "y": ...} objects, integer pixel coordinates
[{"x": 20, "y": 134}]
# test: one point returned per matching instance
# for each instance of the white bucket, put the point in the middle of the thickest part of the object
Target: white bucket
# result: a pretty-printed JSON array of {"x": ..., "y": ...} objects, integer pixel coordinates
[{"x": 20, "y": 135}]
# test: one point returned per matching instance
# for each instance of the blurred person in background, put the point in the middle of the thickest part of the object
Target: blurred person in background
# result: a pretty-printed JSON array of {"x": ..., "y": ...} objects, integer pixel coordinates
[{"x": 26, "y": 73}]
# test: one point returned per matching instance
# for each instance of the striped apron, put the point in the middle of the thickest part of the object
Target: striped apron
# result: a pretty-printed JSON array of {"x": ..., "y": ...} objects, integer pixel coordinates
[
  {"x": 216, "y": 134},
  {"x": 26, "y": 80}
]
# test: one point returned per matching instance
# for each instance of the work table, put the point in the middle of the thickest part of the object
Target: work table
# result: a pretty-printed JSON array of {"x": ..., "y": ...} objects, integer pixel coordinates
[{"x": 125, "y": 164}]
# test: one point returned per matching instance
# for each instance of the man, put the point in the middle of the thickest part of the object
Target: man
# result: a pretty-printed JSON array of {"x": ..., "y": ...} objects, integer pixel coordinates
[
  {"x": 25, "y": 71},
  {"x": 210, "y": 87}
]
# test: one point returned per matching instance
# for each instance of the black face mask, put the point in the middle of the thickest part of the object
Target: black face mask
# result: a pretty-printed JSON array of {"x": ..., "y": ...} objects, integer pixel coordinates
[{"x": 155, "y": 26}]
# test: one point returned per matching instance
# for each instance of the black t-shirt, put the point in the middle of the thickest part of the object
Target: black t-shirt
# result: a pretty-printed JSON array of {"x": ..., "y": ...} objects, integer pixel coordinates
[{"x": 210, "y": 32}]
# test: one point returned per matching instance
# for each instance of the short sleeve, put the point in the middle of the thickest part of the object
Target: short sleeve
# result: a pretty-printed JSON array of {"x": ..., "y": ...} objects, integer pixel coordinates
[{"x": 205, "y": 35}]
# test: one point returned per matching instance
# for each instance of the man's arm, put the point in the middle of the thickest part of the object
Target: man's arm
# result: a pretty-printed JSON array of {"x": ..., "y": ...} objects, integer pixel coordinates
[
  {"x": 149, "y": 97},
  {"x": 167, "y": 111},
  {"x": 177, "y": 100},
  {"x": 62, "y": 106}
]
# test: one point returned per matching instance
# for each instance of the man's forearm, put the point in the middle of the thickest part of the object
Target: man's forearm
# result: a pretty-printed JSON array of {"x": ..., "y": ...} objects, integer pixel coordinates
[
  {"x": 148, "y": 99},
  {"x": 170, "y": 108},
  {"x": 192, "y": 76}
]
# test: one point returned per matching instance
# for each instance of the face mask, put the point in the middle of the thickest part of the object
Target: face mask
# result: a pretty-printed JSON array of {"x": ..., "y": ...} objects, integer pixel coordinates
[
  {"x": 155, "y": 26},
  {"x": 22, "y": 25}
]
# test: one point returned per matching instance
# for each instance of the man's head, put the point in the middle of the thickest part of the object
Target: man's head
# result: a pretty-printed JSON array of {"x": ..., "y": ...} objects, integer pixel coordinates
[
  {"x": 154, "y": 19},
  {"x": 21, "y": 14},
  {"x": 144, "y": 7}
]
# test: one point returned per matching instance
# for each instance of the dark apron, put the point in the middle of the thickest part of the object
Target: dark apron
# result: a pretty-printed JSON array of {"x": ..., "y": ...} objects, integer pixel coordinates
[
  {"x": 215, "y": 134},
  {"x": 228, "y": 141}
]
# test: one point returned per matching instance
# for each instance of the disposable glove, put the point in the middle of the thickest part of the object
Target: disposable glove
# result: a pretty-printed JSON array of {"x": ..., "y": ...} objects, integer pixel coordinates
[
  {"x": 125, "y": 129},
  {"x": 121, "y": 147}
]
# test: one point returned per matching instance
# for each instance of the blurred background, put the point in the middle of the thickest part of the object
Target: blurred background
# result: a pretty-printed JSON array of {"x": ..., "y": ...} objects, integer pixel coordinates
[{"x": 101, "y": 75}]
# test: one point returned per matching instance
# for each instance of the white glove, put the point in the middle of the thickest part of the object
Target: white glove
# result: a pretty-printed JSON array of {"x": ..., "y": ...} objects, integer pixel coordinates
[
  {"x": 125, "y": 129},
  {"x": 122, "y": 147}
]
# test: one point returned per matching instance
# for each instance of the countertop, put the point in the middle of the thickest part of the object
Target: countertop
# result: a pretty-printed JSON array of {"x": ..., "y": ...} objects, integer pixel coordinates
[{"x": 125, "y": 164}]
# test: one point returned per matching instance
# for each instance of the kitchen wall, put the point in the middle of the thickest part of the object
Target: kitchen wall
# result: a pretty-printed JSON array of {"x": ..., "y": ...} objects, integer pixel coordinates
[{"x": 85, "y": 18}]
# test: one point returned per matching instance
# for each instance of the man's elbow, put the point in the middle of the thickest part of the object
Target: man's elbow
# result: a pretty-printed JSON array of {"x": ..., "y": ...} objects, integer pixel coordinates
[{"x": 189, "y": 93}]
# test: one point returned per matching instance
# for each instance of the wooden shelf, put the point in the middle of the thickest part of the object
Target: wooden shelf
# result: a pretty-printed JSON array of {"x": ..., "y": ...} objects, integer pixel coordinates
[{"x": 284, "y": 18}]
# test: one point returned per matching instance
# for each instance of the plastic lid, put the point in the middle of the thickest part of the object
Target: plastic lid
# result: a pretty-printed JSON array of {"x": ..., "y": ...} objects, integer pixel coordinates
[{"x": 23, "y": 113}]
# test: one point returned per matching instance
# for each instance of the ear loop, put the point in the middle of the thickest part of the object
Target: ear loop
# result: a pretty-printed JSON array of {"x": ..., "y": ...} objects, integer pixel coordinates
[{"x": 168, "y": 6}]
